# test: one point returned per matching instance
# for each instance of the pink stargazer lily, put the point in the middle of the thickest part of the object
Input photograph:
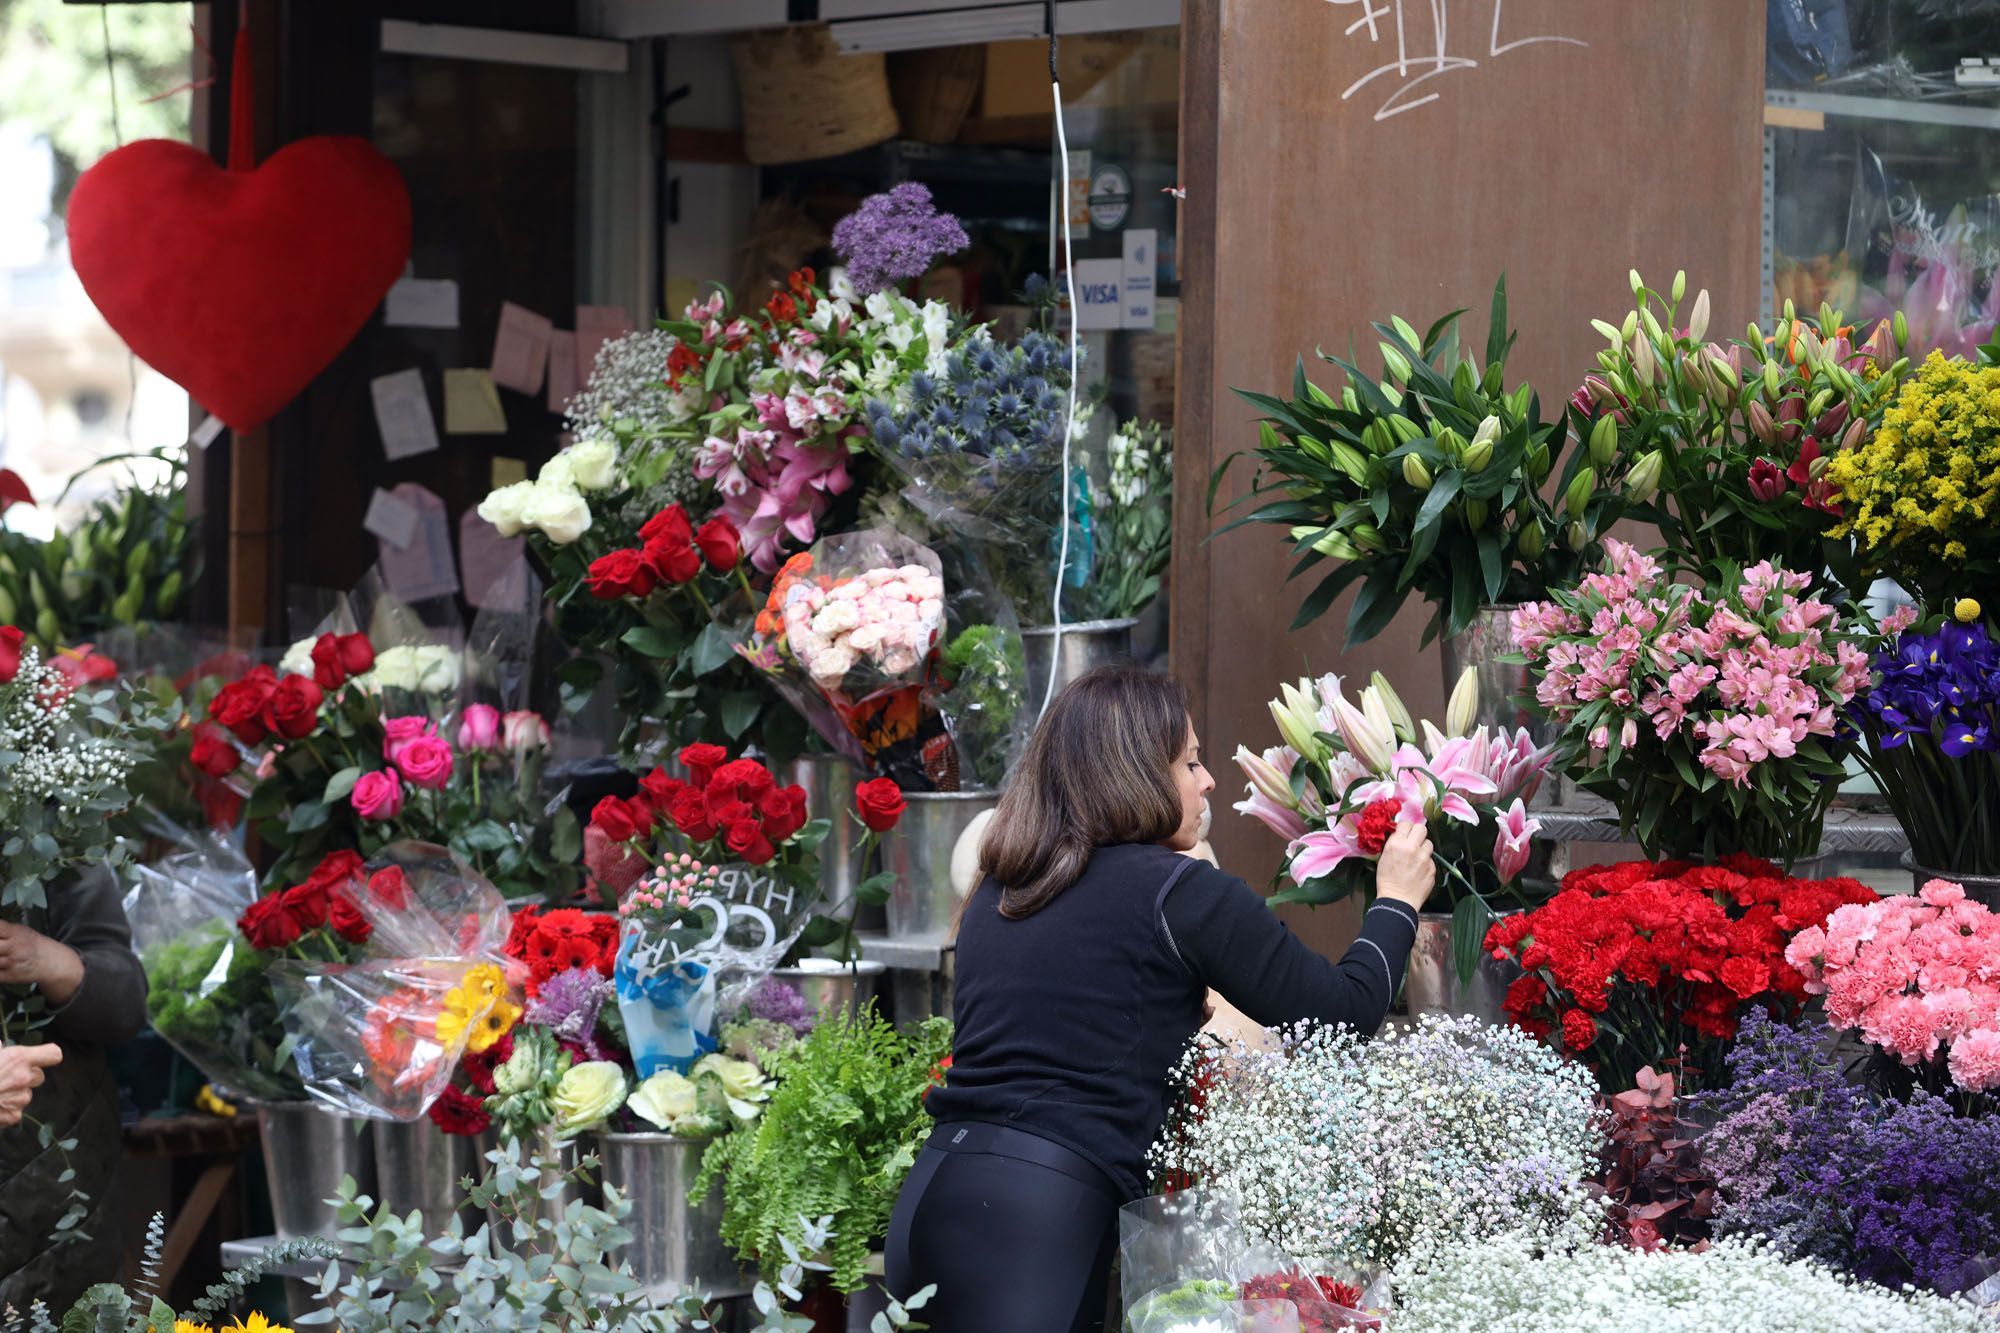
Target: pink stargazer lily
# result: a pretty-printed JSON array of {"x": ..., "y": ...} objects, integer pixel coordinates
[{"x": 1511, "y": 844}]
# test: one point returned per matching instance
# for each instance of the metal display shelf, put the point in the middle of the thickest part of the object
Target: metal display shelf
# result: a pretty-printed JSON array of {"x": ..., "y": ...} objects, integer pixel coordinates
[
  {"x": 907, "y": 955},
  {"x": 1850, "y": 832},
  {"x": 1887, "y": 108}
]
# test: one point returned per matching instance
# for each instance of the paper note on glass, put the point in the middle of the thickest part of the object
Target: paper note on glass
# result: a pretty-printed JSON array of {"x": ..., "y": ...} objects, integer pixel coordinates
[
  {"x": 403, "y": 414},
  {"x": 521, "y": 349},
  {"x": 423, "y": 567},
  {"x": 422, "y": 303},
  {"x": 472, "y": 404},
  {"x": 562, "y": 369},
  {"x": 595, "y": 326},
  {"x": 391, "y": 518},
  {"x": 507, "y": 471},
  {"x": 494, "y": 569}
]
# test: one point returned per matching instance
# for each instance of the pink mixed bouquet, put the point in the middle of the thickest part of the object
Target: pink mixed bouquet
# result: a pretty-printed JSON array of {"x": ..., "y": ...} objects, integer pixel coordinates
[
  {"x": 1918, "y": 976},
  {"x": 1709, "y": 715}
]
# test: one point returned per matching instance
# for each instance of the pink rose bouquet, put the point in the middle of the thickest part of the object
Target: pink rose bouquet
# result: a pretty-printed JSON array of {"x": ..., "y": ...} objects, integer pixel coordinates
[
  {"x": 1710, "y": 716},
  {"x": 1348, "y": 773},
  {"x": 1919, "y": 978}
]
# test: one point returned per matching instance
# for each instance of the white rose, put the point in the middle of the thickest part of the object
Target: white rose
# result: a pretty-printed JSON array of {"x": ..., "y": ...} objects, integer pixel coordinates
[
  {"x": 559, "y": 473},
  {"x": 298, "y": 659},
  {"x": 594, "y": 465},
  {"x": 437, "y": 668},
  {"x": 832, "y": 664},
  {"x": 562, "y": 515},
  {"x": 395, "y": 669},
  {"x": 503, "y": 507}
]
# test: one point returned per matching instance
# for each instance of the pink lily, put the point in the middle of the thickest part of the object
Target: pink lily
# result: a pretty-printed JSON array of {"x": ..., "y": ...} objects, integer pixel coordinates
[
  {"x": 1511, "y": 844},
  {"x": 1321, "y": 852}
]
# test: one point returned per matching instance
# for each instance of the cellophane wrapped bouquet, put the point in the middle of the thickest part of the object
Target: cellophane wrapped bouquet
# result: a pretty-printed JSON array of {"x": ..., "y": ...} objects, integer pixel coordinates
[
  {"x": 914, "y": 680},
  {"x": 1348, "y": 773},
  {"x": 382, "y": 1036},
  {"x": 1709, "y": 715},
  {"x": 1188, "y": 1265},
  {"x": 719, "y": 876}
]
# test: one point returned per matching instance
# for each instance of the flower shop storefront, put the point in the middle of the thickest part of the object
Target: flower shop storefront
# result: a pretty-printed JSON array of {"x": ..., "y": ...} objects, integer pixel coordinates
[{"x": 630, "y": 624}]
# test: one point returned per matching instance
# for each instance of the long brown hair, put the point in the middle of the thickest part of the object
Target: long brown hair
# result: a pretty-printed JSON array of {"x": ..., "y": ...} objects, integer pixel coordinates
[{"x": 1097, "y": 771}]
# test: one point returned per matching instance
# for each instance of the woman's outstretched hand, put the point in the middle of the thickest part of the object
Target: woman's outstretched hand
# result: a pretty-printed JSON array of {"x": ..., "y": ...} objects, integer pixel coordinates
[{"x": 1406, "y": 873}]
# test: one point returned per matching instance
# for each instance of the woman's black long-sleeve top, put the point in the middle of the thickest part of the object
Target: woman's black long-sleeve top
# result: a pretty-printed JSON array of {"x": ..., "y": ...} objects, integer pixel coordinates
[{"x": 1070, "y": 1020}]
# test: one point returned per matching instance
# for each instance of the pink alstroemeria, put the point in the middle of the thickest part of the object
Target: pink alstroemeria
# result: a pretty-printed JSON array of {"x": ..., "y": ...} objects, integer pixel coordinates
[{"x": 1511, "y": 844}]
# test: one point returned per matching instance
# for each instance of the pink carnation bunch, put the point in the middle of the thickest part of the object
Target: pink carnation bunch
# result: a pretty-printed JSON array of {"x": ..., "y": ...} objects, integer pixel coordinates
[{"x": 1918, "y": 976}]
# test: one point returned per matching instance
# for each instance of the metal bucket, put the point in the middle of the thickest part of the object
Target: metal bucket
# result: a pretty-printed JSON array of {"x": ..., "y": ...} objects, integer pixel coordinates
[
  {"x": 543, "y": 1206},
  {"x": 1502, "y": 685},
  {"x": 1431, "y": 984},
  {"x": 922, "y": 901},
  {"x": 1979, "y": 888},
  {"x": 675, "y": 1244},
  {"x": 834, "y": 987},
  {"x": 1086, "y": 644},
  {"x": 419, "y": 1166},
  {"x": 307, "y": 1149},
  {"x": 829, "y": 780}
]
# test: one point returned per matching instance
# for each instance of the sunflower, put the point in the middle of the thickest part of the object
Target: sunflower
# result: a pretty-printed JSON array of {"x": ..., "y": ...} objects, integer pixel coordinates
[
  {"x": 256, "y": 1323},
  {"x": 188, "y": 1326}
]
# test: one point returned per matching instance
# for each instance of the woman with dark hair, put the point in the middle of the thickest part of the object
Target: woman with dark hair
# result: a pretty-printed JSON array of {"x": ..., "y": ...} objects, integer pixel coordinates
[{"x": 1083, "y": 960}]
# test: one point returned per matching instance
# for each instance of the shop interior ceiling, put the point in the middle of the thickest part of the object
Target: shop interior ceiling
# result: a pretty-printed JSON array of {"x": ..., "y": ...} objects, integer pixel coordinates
[{"x": 876, "y": 25}]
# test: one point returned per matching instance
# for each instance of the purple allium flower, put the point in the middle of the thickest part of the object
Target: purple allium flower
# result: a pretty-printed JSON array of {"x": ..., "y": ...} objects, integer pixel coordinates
[
  {"x": 775, "y": 1002},
  {"x": 895, "y": 236},
  {"x": 568, "y": 1005}
]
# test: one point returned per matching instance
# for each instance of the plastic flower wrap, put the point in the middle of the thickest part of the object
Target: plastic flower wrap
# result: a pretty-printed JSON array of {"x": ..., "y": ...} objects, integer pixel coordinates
[
  {"x": 208, "y": 989},
  {"x": 890, "y": 666},
  {"x": 383, "y": 1037}
]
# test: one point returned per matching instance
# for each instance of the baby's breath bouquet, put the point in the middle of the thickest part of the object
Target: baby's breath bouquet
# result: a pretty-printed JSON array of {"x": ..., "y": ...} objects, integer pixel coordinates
[
  {"x": 67, "y": 749},
  {"x": 1383, "y": 1152}
]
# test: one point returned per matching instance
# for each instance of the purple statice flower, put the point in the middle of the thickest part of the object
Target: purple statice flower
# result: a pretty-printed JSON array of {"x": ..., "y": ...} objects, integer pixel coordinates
[
  {"x": 894, "y": 237},
  {"x": 568, "y": 1006},
  {"x": 1892, "y": 1192},
  {"x": 775, "y": 1002}
]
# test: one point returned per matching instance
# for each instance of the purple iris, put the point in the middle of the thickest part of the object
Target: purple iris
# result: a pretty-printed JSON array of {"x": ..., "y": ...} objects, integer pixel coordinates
[{"x": 1944, "y": 686}]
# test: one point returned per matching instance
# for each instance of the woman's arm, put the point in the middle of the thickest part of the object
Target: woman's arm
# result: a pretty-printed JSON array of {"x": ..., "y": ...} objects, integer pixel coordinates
[
  {"x": 95, "y": 985},
  {"x": 1229, "y": 939}
]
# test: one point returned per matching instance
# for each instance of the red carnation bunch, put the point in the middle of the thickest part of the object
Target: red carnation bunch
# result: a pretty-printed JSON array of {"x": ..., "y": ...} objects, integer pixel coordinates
[
  {"x": 1665, "y": 955},
  {"x": 727, "y": 809},
  {"x": 553, "y": 942},
  {"x": 1324, "y": 1305}
]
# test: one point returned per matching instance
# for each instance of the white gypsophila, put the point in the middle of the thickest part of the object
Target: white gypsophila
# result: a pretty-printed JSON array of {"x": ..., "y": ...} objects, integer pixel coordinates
[
  {"x": 1505, "y": 1285},
  {"x": 44, "y": 756},
  {"x": 1382, "y": 1152},
  {"x": 628, "y": 383}
]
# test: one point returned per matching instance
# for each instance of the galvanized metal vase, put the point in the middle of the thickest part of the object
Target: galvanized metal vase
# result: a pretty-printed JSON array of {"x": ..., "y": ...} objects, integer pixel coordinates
[
  {"x": 418, "y": 1167},
  {"x": 1980, "y": 888},
  {"x": 1086, "y": 644},
  {"x": 308, "y": 1148},
  {"x": 1431, "y": 984},
  {"x": 1501, "y": 684},
  {"x": 833, "y": 987},
  {"x": 675, "y": 1244},
  {"x": 829, "y": 780},
  {"x": 922, "y": 902}
]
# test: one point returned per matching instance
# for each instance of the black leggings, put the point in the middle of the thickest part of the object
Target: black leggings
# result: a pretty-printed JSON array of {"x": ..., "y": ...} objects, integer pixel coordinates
[{"x": 1017, "y": 1232}]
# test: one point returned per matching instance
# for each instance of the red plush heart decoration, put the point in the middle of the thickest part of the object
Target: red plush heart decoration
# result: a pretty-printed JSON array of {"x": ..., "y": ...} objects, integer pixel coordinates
[{"x": 240, "y": 286}]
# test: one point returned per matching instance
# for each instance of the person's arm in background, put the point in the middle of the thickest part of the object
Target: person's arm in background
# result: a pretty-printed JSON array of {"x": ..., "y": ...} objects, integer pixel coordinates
[
  {"x": 85, "y": 967},
  {"x": 20, "y": 1074},
  {"x": 1231, "y": 940}
]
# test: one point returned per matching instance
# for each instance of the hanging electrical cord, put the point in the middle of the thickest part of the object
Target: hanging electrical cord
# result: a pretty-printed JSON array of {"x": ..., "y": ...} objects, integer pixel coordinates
[{"x": 1069, "y": 415}]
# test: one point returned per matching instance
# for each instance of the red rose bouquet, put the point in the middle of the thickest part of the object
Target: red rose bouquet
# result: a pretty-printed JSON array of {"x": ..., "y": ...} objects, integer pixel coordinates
[
  {"x": 1642, "y": 963},
  {"x": 334, "y": 770}
]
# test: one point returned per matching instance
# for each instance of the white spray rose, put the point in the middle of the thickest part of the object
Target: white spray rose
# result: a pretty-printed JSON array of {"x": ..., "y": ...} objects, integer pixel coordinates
[
  {"x": 562, "y": 515},
  {"x": 594, "y": 465},
  {"x": 503, "y": 507}
]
